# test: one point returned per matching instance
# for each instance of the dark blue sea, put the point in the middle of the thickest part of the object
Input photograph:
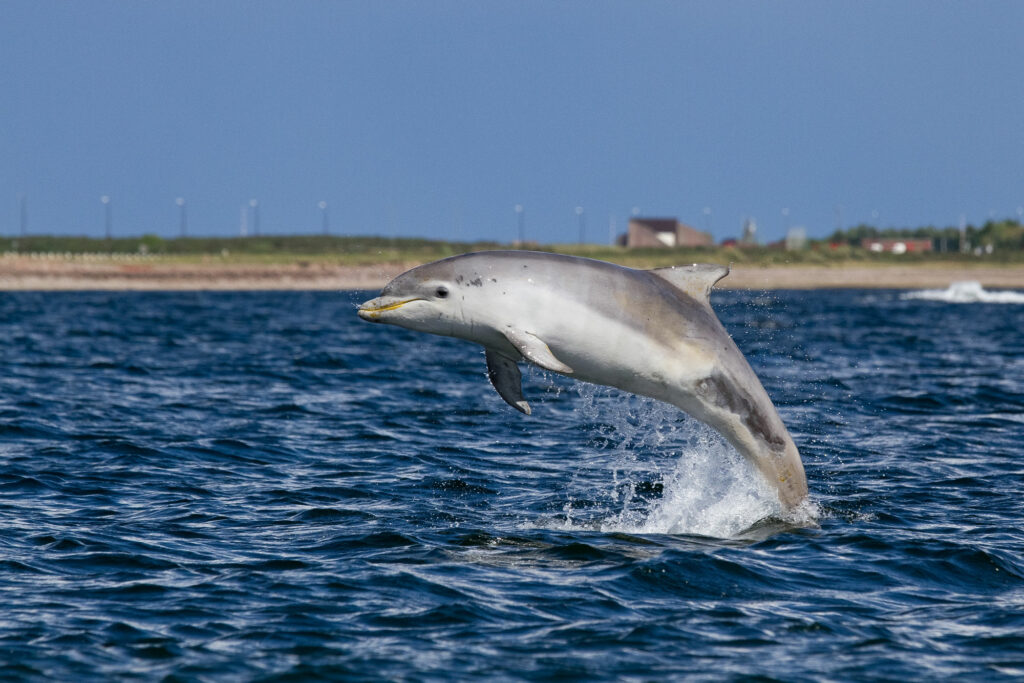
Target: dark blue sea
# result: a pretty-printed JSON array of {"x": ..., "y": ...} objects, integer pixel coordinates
[{"x": 261, "y": 486}]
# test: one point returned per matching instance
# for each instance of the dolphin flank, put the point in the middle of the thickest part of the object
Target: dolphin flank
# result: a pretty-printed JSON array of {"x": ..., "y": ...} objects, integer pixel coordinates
[{"x": 649, "y": 332}]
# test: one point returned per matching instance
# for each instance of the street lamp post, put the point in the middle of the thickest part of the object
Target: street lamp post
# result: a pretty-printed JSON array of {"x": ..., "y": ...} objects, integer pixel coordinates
[
  {"x": 583, "y": 224},
  {"x": 323, "y": 217},
  {"x": 23, "y": 213},
  {"x": 519, "y": 225},
  {"x": 107, "y": 215},
  {"x": 182, "y": 218},
  {"x": 255, "y": 216}
]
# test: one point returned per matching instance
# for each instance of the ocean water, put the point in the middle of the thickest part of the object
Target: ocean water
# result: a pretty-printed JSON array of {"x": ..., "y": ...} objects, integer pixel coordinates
[{"x": 260, "y": 486}]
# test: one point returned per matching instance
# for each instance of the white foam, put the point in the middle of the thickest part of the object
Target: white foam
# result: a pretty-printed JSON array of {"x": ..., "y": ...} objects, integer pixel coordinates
[
  {"x": 710, "y": 491},
  {"x": 707, "y": 488},
  {"x": 967, "y": 292}
]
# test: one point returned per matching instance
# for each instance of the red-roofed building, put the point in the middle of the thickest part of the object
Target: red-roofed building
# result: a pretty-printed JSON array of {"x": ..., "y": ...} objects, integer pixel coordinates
[{"x": 665, "y": 232}]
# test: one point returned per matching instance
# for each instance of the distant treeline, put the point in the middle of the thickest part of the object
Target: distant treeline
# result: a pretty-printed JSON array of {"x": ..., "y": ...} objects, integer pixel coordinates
[
  {"x": 1006, "y": 238},
  {"x": 1004, "y": 234}
]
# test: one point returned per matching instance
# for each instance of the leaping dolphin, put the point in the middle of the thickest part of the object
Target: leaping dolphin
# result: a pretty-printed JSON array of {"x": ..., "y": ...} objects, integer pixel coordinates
[{"x": 649, "y": 332}]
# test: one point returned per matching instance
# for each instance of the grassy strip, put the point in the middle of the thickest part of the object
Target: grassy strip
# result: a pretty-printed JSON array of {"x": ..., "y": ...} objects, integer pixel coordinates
[{"x": 365, "y": 250}]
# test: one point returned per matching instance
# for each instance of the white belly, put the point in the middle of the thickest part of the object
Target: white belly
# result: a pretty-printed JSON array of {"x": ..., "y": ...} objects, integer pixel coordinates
[{"x": 630, "y": 360}]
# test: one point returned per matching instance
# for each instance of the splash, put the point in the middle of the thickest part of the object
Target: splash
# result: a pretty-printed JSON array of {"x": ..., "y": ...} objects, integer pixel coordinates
[
  {"x": 710, "y": 491},
  {"x": 967, "y": 292},
  {"x": 669, "y": 474}
]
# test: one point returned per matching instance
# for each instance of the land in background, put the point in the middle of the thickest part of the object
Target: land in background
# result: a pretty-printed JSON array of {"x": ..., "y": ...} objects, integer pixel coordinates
[{"x": 333, "y": 262}]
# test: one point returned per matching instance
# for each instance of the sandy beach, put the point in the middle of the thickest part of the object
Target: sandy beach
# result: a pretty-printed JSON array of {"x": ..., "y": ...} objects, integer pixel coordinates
[{"x": 55, "y": 273}]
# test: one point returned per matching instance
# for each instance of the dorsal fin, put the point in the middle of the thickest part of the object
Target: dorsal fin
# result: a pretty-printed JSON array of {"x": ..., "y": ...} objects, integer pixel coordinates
[{"x": 696, "y": 279}]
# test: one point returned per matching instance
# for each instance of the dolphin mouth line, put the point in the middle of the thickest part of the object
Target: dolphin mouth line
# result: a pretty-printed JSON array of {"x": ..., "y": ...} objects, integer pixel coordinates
[{"x": 389, "y": 307}]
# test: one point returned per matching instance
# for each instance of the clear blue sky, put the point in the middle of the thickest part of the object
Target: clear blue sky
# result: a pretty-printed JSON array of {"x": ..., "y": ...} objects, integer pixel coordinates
[{"x": 437, "y": 118}]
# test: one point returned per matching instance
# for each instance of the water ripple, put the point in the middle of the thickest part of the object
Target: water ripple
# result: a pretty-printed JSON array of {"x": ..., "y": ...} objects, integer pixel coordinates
[{"x": 260, "y": 486}]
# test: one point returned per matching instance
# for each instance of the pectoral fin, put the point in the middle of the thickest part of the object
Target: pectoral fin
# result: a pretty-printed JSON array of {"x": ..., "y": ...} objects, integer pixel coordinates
[
  {"x": 536, "y": 351},
  {"x": 506, "y": 378}
]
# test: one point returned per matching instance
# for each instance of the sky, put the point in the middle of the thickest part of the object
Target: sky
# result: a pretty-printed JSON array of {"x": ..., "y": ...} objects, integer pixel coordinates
[{"x": 437, "y": 118}]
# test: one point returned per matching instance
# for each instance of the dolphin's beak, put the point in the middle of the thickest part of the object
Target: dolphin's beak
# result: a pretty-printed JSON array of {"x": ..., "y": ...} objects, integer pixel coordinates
[{"x": 372, "y": 309}]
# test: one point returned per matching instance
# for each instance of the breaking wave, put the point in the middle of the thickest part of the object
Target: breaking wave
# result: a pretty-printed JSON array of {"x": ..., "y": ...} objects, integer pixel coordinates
[{"x": 967, "y": 292}]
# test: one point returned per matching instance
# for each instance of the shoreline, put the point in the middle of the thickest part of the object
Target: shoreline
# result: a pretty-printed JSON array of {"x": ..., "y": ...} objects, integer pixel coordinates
[{"x": 22, "y": 273}]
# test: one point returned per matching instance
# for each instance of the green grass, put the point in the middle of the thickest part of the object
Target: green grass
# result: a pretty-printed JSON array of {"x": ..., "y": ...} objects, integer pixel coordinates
[{"x": 361, "y": 250}]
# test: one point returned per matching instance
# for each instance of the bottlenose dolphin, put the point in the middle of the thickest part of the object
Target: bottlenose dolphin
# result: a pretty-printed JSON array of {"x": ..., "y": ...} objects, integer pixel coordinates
[{"x": 649, "y": 332}]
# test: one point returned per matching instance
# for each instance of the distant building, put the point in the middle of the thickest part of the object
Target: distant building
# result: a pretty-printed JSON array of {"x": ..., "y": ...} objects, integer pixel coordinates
[
  {"x": 796, "y": 239},
  {"x": 749, "y": 238},
  {"x": 897, "y": 246},
  {"x": 665, "y": 232}
]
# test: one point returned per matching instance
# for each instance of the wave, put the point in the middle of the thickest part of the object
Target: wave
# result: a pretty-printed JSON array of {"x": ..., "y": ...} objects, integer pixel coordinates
[{"x": 967, "y": 292}]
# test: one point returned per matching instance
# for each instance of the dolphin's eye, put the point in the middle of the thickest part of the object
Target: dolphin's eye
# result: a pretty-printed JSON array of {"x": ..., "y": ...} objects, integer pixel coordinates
[{"x": 442, "y": 292}]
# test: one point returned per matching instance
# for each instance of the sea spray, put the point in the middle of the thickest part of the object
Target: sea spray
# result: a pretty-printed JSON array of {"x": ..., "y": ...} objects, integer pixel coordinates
[{"x": 654, "y": 470}]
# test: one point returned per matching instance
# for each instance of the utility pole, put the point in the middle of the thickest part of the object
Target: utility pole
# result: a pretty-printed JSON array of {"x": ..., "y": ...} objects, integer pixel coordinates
[
  {"x": 583, "y": 224},
  {"x": 519, "y": 223}
]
